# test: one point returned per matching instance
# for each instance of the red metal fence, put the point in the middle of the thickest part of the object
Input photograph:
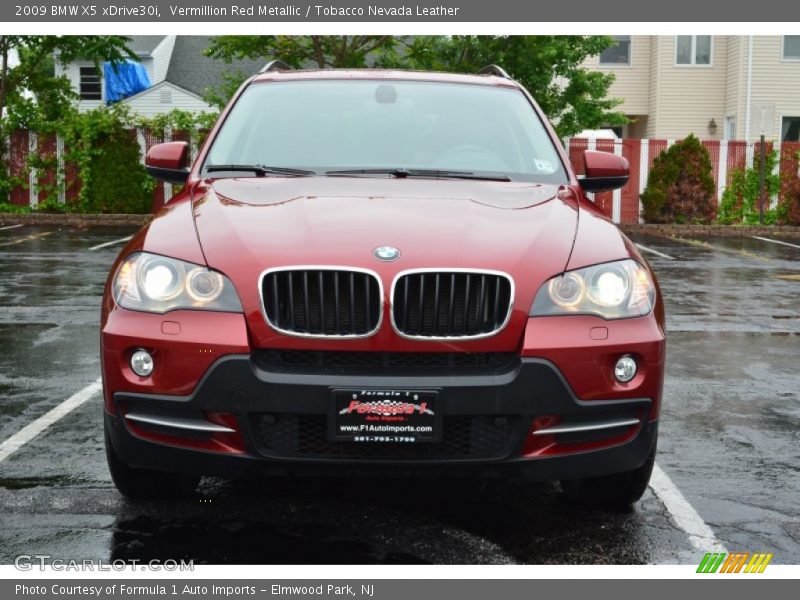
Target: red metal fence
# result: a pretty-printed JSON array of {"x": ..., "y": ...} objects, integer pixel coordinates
[
  {"x": 621, "y": 205},
  {"x": 726, "y": 157}
]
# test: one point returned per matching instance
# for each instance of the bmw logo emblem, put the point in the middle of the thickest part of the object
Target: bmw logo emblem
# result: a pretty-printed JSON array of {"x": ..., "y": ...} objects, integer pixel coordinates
[{"x": 386, "y": 253}]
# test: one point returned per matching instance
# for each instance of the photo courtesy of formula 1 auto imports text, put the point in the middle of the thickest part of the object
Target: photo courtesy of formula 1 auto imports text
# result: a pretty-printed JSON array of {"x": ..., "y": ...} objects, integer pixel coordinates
[{"x": 385, "y": 301}]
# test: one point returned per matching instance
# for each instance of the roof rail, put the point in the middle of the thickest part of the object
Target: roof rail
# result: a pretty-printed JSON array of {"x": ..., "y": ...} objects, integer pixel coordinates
[
  {"x": 494, "y": 70},
  {"x": 275, "y": 65}
]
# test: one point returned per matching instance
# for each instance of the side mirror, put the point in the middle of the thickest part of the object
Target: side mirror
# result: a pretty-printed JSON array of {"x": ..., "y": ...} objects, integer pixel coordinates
[
  {"x": 168, "y": 162},
  {"x": 604, "y": 171}
]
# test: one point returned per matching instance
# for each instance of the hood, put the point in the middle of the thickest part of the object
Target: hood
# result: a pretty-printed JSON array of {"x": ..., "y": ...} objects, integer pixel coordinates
[{"x": 251, "y": 224}]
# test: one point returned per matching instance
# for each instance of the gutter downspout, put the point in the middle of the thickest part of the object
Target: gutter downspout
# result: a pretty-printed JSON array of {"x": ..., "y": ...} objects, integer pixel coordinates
[{"x": 749, "y": 89}]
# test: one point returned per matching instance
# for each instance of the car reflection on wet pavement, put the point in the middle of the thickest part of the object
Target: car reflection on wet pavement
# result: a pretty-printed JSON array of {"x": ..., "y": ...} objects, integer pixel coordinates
[{"x": 729, "y": 442}]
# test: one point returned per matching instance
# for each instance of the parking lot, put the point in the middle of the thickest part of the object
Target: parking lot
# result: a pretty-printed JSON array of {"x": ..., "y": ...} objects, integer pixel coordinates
[{"x": 728, "y": 468}]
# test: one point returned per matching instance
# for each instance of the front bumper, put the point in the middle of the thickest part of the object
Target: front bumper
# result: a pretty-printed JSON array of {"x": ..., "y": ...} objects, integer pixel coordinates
[{"x": 279, "y": 414}]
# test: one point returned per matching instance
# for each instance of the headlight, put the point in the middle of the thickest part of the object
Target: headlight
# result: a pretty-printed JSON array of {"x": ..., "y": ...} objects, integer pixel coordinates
[
  {"x": 158, "y": 284},
  {"x": 615, "y": 290}
]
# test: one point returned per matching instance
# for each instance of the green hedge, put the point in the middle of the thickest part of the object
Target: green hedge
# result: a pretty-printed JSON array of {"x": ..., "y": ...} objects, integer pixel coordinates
[{"x": 104, "y": 160}]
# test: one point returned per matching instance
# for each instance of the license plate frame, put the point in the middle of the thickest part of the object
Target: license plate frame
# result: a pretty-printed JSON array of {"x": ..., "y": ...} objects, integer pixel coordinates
[{"x": 385, "y": 416}]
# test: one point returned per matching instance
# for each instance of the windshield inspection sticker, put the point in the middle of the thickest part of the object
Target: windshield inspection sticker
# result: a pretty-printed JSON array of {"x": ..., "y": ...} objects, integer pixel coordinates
[{"x": 543, "y": 166}]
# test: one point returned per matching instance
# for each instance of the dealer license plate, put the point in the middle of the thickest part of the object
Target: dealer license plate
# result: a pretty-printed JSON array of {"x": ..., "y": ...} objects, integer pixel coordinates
[{"x": 385, "y": 416}]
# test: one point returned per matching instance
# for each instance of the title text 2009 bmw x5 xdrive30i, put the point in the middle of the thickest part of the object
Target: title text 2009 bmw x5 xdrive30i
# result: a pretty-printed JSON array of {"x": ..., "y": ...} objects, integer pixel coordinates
[{"x": 382, "y": 271}]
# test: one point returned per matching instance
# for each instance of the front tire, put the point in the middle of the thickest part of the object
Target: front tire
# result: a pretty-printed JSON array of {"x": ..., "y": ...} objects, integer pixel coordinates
[
  {"x": 619, "y": 490},
  {"x": 147, "y": 484}
]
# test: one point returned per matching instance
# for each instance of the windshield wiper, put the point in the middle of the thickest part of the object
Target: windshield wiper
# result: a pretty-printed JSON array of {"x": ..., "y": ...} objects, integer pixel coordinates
[
  {"x": 400, "y": 173},
  {"x": 261, "y": 170}
]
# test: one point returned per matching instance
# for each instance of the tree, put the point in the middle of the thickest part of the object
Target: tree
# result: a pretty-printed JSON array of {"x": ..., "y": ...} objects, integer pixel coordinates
[
  {"x": 322, "y": 51},
  {"x": 325, "y": 51},
  {"x": 551, "y": 67},
  {"x": 31, "y": 86},
  {"x": 221, "y": 94},
  {"x": 31, "y": 95}
]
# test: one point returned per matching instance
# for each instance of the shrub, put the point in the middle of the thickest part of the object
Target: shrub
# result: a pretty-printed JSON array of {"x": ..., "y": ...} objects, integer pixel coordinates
[
  {"x": 680, "y": 187},
  {"x": 103, "y": 149},
  {"x": 790, "y": 190},
  {"x": 5, "y": 207},
  {"x": 118, "y": 182},
  {"x": 741, "y": 198}
]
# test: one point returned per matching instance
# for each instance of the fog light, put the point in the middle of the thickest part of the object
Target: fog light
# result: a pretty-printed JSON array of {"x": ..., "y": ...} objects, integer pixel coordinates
[
  {"x": 625, "y": 369},
  {"x": 142, "y": 363}
]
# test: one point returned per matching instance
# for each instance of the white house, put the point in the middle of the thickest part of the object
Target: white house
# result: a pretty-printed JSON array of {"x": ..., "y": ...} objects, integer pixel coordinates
[{"x": 179, "y": 72}]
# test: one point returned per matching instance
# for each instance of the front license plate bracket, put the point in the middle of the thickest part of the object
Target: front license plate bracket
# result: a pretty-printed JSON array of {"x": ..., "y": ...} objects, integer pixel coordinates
[{"x": 393, "y": 416}]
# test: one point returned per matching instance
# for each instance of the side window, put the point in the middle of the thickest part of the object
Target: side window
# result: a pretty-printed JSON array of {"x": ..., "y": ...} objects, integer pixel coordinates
[
  {"x": 790, "y": 129},
  {"x": 90, "y": 84},
  {"x": 619, "y": 54},
  {"x": 791, "y": 47},
  {"x": 693, "y": 50}
]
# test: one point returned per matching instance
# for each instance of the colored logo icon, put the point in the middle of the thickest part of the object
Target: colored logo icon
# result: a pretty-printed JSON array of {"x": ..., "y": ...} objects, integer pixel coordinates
[{"x": 735, "y": 562}]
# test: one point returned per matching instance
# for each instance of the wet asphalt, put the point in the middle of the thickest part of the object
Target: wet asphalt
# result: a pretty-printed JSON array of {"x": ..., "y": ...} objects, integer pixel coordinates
[{"x": 729, "y": 439}]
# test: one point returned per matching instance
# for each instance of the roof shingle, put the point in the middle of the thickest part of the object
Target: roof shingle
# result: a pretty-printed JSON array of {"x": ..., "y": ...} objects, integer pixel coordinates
[
  {"x": 190, "y": 69},
  {"x": 145, "y": 44}
]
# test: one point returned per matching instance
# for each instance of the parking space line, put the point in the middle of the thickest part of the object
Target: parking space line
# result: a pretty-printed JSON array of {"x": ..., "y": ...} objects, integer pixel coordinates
[
  {"x": 656, "y": 252},
  {"x": 707, "y": 246},
  {"x": 690, "y": 241},
  {"x": 111, "y": 243},
  {"x": 683, "y": 514},
  {"x": 27, "y": 238},
  {"x": 30, "y": 431},
  {"x": 763, "y": 239},
  {"x": 10, "y": 227}
]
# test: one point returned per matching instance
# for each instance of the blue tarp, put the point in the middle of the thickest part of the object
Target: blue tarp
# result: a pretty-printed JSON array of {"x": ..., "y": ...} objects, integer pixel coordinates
[{"x": 124, "y": 79}]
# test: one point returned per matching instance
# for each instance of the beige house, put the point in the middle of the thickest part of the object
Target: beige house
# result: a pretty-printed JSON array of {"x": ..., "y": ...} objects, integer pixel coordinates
[{"x": 717, "y": 87}]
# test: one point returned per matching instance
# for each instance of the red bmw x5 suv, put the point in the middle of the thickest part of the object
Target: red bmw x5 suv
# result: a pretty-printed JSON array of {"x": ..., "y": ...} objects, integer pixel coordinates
[{"x": 382, "y": 272}]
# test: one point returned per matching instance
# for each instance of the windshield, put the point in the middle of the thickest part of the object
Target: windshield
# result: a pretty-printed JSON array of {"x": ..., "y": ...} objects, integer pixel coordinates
[{"x": 339, "y": 125}]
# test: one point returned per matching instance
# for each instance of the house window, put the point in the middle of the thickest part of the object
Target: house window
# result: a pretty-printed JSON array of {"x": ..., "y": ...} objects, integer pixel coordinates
[
  {"x": 619, "y": 53},
  {"x": 618, "y": 130},
  {"x": 730, "y": 128},
  {"x": 90, "y": 85},
  {"x": 791, "y": 47},
  {"x": 790, "y": 129},
  {"x": 693, "y": 50}
]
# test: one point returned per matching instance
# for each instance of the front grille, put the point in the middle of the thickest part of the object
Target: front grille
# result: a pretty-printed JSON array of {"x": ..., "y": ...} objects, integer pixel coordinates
[
  {"x": 451, "y": 304},
  {"x": 322, "y": 302},
  {"x": 463, "y": 437},
  {"x": 485, "y": 362}
]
